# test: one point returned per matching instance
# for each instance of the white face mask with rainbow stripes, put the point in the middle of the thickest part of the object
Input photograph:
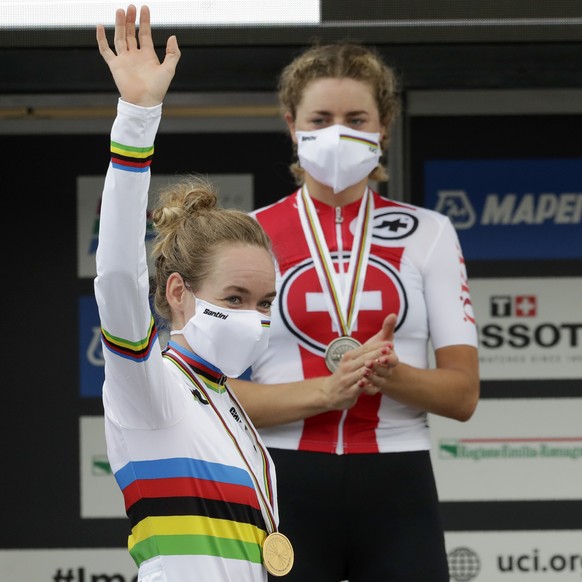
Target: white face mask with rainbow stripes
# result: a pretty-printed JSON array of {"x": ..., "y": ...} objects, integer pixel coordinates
[
  {"x": 229, "y": 339},
  {"x": 338, "y": 156}
]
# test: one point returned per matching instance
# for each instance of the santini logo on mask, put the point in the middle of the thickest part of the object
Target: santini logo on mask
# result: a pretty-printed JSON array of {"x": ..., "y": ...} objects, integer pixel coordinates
[
  {"x": 218, "y": 314},
  {"x": 338, "y": 156},
  {"x": 229, "y": 339}
]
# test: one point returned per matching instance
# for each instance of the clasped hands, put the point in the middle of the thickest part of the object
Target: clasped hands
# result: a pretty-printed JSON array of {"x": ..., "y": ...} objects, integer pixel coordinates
[{"x": 363, "y": 370}]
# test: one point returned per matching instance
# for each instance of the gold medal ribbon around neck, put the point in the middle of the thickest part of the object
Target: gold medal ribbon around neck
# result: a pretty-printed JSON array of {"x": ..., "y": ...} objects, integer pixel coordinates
[{"x": 278, "y": 555}]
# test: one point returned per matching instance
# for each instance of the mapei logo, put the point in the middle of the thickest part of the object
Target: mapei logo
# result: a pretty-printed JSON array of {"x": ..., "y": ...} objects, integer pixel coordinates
[
  {"x": 511, "y": 209},
  {"x": 513, "y": 306},
  {"x": 456, "y": 205}
]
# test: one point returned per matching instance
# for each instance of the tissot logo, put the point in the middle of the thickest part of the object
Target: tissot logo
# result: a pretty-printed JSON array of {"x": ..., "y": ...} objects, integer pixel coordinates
[
  {"x": 528, "y": 331},
  {"x": 514, "y": 306},
  {"x": 218, "y": 314}
]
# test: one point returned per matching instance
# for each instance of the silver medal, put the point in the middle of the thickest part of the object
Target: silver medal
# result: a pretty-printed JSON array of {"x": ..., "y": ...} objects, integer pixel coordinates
[{"x": 337, "y": 348}]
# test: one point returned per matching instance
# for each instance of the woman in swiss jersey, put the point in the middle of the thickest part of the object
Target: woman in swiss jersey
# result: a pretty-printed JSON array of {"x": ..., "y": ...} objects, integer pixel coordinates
[{"x": 357, "y": 493}]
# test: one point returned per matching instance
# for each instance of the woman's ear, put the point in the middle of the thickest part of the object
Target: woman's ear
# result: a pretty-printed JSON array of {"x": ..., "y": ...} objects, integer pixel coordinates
[
  {"x": 290, "y": 121},
  {"x": 176, "y": 292},
  {"x": 180, "y": 300}
]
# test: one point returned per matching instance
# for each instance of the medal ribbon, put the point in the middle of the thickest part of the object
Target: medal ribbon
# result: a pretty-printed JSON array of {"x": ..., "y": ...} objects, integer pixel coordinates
[
  {"x": 267, "y": 485},
  {"x": 343, "y": 303}
]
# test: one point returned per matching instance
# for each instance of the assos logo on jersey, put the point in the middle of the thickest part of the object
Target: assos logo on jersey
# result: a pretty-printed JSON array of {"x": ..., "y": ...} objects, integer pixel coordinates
[
  {"x": 391, "y": 225},
  {"x": 304, "y": 306}
]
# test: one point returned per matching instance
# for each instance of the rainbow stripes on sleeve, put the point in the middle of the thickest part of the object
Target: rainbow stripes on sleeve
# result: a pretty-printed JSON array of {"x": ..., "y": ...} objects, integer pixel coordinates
[
  {"x": 138, "y": 351},
  {"x": 131, "y": 159},
  {"x": 184, "y": 506}
]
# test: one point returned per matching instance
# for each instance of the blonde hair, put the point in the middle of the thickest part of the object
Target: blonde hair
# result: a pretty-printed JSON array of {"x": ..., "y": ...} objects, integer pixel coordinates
[
  {"x": 342, "y": 60},
  {"x": 190, "y": 227}
]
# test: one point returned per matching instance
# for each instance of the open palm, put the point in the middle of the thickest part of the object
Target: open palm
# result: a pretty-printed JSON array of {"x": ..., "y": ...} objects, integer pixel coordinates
[{"x": 137, "y": 71}]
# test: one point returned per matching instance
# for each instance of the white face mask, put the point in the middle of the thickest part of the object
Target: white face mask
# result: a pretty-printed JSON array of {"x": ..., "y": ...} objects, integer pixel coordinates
[
  {"x": 229, "y": 339},
  {"x": 338, "y": 156}
]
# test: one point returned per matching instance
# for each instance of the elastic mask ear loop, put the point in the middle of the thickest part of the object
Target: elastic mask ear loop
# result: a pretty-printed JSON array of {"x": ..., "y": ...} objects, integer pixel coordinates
[{"x": 189, "y": 289}]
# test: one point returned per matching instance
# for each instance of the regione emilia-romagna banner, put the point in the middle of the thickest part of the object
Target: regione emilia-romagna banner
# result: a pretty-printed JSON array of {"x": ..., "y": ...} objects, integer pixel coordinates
[{"x": 511, "y": 208}]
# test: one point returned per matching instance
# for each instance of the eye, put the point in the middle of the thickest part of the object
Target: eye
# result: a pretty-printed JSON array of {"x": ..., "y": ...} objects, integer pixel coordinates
[
  {"x": 319, "y": 121},
  {"x": 356, "y": 122},
  {"x": 234, "y": 300},
  {"x": 265, "y": 306}
]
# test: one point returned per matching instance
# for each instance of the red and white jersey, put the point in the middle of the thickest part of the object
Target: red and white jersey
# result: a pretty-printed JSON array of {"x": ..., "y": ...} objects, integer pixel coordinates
[{"x": 415, "y": 269}]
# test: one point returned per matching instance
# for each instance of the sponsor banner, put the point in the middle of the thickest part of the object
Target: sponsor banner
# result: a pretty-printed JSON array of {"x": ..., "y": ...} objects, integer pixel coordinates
[
  {"x": 510, "y": 209},
  {"x": 67, "y": 565},
  {"x": 543, "y": 556},
  {"x": 100, "y": 496},
  {"x": 510, "y": 450},
  {"x": 91, "y": 363},
  {"x": 529, "y": 328},
  {"x": 235, "y": 191}
]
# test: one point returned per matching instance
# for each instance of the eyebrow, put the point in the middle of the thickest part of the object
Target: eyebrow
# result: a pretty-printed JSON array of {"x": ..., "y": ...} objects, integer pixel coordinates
[
  {"x": 348, "y": 113},
  {"x": 245, "y": 291}
]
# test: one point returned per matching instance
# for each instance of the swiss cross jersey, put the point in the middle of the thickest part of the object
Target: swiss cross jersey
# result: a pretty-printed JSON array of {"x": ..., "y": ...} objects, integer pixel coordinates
[
  {"x": 415, "y": 269},
  {"x": 190, "y": 465}
]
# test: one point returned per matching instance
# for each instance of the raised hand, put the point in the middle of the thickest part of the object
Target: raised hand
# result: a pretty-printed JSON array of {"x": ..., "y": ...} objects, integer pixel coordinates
[{"x": 140, "y": 77}]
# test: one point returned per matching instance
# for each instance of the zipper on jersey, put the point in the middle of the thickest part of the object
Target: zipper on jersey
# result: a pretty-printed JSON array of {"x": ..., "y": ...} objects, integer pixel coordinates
[{"x": 339, "y": 219}]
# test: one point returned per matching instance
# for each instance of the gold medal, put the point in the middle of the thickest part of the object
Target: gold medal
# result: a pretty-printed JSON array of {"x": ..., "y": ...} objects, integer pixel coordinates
[
  {"x": 337, "y": 348},
  {"x": 277, "y": 554}
]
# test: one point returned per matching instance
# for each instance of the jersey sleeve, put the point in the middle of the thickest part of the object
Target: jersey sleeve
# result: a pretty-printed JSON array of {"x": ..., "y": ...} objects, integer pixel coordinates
[
  {"x": 134, "y": 391},
  {"x": 451, "y": 318}
]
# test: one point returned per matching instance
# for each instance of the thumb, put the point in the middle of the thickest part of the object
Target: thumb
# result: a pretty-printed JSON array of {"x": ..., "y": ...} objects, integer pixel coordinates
[
  {"x": 173, "y": 53},
  {"x": 386, "y": 333},
  {"x": 388, "y": 327}
]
